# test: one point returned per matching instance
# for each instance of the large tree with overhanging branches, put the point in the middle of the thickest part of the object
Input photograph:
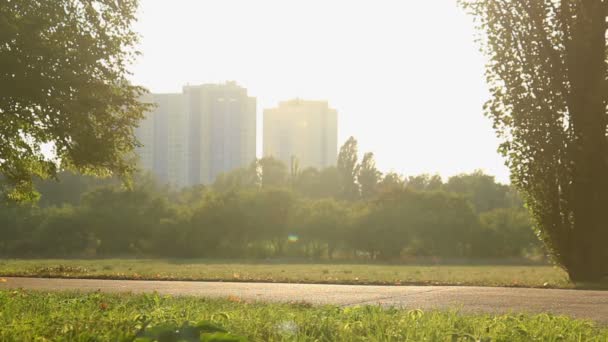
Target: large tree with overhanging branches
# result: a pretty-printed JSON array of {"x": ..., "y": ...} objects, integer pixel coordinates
[
  {"x": 548, "y": 83},
  {"x": 65, "y": 100}
]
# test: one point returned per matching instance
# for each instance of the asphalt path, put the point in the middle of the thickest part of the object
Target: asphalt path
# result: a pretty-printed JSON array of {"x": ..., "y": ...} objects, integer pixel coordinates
[{"x": 592, "y": 305}]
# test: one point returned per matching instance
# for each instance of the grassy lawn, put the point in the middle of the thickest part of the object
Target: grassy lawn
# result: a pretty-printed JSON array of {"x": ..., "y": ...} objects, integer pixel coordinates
[
  {"x": 493, "y": 275},
  {"x": 38, "y": 316}
]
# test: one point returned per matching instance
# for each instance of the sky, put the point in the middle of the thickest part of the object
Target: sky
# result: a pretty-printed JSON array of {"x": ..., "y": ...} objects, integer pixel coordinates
[{"x": 406, "y": 77}]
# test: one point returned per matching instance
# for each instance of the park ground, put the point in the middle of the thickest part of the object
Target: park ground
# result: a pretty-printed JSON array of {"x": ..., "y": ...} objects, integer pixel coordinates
[
  {"x": 50, "y": 316},
  {"x": 291, "y": 272},
  {"x": 98, "y": 316}
]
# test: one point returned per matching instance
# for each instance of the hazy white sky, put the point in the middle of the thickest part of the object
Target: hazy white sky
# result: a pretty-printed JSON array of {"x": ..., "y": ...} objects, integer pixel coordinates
[{"x": 405, "y": 76}]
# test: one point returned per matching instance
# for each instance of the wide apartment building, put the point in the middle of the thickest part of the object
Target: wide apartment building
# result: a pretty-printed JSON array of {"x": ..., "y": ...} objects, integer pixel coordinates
[
  {"x": 192, "y": 137},
  {"x": 304, "y": 130}
]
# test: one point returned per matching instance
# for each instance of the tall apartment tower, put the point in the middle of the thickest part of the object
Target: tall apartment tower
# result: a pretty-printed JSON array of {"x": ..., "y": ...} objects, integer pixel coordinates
[
  {"x": 305, "y": 130},
  {"x": 222, "y": 130},
  {"x": 162, "y": 134}
]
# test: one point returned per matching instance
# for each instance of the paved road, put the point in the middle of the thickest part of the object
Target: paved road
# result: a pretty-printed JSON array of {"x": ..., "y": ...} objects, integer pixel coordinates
[{"x": 579, "y": 304}]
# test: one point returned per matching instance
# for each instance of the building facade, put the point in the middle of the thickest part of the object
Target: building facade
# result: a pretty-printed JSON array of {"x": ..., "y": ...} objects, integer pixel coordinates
[
  {"x": 304, "y": 130},
  {"x": 222, "y": 130},
  {"x": 192, "y": 137},
  {"x": 162, "y": 134}
]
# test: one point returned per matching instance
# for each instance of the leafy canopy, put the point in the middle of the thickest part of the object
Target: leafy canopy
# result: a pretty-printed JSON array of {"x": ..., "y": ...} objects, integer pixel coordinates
[{"x": 65, "y": 100}]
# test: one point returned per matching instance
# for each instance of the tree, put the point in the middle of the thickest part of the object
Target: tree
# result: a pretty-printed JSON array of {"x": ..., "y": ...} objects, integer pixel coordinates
[
  {"x": 420, "y": 223},
  {"x": 273, "y": 172},
  {"x": 547, "y": 77},
  {"x": 348, "y": 169},
  {"x": 368, "y": 176},
  {"x": 63, "y": 84},
  {"x": 269, "y": 212},
  {"x": 294, "y": 172},
  {"x": 218, "y": 227},
  {"x": 18, "y": 225},
  {"x": 308, "y": 182},
  {"x": 382, "y": 231},
  {"x": 68, "y": 189},
  {"x": 329, "y": 183},
  {"x": 123, "y": 220},
  {"x": 391, "y": 181},
  {"x": 313, "y": 183},
  {"x": 238, "y": 179},
  {"x": 61, "y": 233},
  {"x": 505, "y": 232},
  {"x": 481, "y": 189},
  {"x": 424, "y": 182},
  {"x": 322, "y": 225}
]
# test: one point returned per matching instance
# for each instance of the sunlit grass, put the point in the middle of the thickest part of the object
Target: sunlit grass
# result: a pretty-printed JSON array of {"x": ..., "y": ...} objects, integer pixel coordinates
[
  {"x": 36, "y": 316},
  {"x": 483, "y": 275}
]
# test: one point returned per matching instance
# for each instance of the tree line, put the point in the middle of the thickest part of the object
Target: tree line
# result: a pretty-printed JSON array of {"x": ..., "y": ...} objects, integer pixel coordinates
[{"x": 269, "y": 209}]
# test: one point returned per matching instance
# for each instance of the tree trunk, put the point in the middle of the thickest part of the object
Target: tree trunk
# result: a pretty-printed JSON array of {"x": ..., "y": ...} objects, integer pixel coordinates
[
  {"x": 278, "y": 247},
  {"x": 330, "y": 251},
  {"x": 587, "y": 256}
]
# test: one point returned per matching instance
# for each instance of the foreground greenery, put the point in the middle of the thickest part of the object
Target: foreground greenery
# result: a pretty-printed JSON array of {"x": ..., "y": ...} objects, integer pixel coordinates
[
  {"x": 482, "y": 275},
  {"x": 34, "y": 316}
]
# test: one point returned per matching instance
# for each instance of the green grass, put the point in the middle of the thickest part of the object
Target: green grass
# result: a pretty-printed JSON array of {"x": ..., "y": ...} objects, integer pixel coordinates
[
  {"x": 38, "y": 316},
  {"x": 482, "y": 275}
]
